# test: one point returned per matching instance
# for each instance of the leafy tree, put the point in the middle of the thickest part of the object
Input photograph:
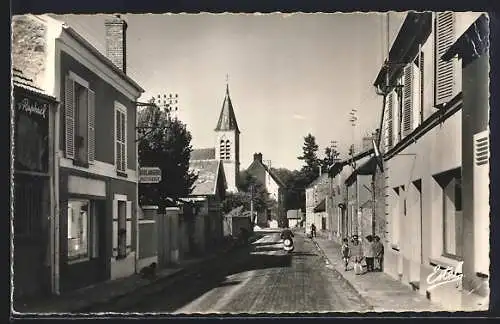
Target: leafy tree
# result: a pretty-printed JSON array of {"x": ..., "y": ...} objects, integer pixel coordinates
[
  {"x": 330, "y": 156},
  {"x": 250, "y": 188},
  {"x": 164, "y": 142}
]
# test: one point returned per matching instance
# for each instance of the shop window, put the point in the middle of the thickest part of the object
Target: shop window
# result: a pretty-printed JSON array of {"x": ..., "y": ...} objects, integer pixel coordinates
[{"x": 82, "y": 230}]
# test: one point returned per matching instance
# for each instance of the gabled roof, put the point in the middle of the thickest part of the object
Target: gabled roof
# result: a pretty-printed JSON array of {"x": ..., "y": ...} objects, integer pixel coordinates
[
  {"x": 318, "y": 180},
  {"x": 208, "y": 173},
  {"x": 203, "y": 154},
  {"x": 271, "y": 173},
  {"x": 227, "y": 118}
]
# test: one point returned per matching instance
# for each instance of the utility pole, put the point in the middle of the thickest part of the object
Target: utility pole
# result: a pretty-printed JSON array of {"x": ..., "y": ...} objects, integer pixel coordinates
[{"x": 254, "y": 221}]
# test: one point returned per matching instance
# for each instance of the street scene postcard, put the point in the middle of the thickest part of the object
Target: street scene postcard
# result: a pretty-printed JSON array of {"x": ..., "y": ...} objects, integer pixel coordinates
[{"x": 250, "y": 163}]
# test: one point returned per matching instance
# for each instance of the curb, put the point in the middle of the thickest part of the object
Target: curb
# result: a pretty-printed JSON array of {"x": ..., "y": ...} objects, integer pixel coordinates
[{"x": 371, "y": 308}]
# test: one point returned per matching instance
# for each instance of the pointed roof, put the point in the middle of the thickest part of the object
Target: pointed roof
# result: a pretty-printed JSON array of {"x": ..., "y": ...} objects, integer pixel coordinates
[{"x": 227, "y": 118}]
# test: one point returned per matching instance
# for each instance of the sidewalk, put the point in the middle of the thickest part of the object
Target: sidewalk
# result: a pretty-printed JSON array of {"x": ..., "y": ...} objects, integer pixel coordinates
[
  {"x": 79, "y": 300},
  {"x": 381, "y": 291}
]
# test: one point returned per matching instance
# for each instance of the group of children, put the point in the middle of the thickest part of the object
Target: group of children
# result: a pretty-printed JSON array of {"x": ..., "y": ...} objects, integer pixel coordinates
[{"x": 372, "y": 251}]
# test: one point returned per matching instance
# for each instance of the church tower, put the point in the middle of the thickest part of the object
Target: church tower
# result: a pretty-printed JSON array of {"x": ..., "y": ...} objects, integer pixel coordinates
[{"x": 227, "y": 144}]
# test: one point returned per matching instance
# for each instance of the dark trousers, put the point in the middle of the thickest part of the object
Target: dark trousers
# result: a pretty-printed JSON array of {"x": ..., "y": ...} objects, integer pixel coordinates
[
  {"x": 313, "y": 233},
  {"x": 369, "y": 264}
]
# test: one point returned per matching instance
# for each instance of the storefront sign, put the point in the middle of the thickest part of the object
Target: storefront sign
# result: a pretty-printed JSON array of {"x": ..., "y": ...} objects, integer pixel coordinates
[
  {"x": 149, "y": 175},
  {"x": 31, "y": 107},
  {"x": 31, "y": 132}
]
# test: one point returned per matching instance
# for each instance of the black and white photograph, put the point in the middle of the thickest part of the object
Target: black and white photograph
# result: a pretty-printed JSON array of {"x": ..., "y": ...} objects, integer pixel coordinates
[{"x": 239, "y": 163}]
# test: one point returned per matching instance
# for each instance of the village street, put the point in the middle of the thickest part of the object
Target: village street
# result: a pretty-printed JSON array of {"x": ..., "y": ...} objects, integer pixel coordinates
[{"x": 261, "y": 278}]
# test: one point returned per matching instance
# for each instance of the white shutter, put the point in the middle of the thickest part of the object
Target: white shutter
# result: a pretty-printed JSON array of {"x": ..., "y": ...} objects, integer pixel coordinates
[
  {"x": 91, "y": 126},
  {"x": 481, "y": 183},
  {"x": 445, "y": 70},
  {"x": 69, "y": 118},
  {"x": 124, "y": 140},
  {"x": 390, "y": 121},
  {"x": 129, "y": 227},
  {"x": 408, "y": 96},
  {"x": 115, "y": 228}
]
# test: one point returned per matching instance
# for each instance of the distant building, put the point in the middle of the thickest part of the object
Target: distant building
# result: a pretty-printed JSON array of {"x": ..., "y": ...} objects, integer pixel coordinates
[
  {"x": 227, "y": 144},
  {"x": 295, "y": 217},
  {"x": 274, "y": 186}
]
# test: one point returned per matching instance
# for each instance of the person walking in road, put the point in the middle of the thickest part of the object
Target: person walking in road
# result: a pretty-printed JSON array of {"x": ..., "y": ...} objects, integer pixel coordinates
[
  {"x": 313, "y": 230},
  {"x": 379, "y": 253},
  {"x": 346, "y": 252},
  {"x": 369, "y": 252}
]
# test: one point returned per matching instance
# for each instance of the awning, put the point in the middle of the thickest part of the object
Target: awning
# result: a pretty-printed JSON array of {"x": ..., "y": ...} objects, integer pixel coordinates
[
  {"x": 367, "y": 168},
  {"x": 415, "y": 29},
  {"x": 337, "y": 167},
  {"x": 321, "y": 206}
]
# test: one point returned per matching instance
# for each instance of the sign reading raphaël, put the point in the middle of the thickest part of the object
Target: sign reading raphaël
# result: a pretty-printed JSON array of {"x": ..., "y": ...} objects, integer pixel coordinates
[
  {"x": 30, "y": 107},
  {"x": 31, "y": 132}
]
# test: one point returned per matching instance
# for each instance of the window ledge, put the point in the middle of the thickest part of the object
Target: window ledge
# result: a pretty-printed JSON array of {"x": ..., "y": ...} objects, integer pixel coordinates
[
  {"x": 395, "y": 247},
  {"x": 81, "y": 164},
  {"x": 121, "y": 174},
  {"x": 75, "y": 261},
  {"x": 444, "y": 262}
]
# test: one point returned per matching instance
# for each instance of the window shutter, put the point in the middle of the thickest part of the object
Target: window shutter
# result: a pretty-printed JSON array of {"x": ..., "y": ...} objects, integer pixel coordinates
[
  {"x": 481, "y": 183},
  {"x": 91, "y": 126},
  {"x": 421, "y": 86},
  {"x": 124, "y": 140},
  {"x": 115, "y": 228},
  {"x": 408, "y": 99},
  {"x": 390, "y": 121},
  {"x": 118, "y": 153},
  {"x": 228, "y": 150},
  {"x": 69, "y": 118},
  {"x": 445, "y": 70},
  {"x": 129, "y": 227}
]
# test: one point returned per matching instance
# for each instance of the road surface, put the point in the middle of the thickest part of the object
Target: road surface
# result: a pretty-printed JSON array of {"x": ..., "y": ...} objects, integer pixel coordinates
[{"x": 260, "y": 279}]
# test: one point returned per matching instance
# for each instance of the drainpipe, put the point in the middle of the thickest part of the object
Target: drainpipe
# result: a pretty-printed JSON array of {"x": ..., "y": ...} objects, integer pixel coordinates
[
  {"x": 56, "y": 217},
  {"x": 137, "y": 206}
]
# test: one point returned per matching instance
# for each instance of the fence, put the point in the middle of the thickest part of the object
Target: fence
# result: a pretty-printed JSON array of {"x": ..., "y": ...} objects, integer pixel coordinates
[
  {"x": 168, "y": 238},
  {"x": 148, "y": 248}
]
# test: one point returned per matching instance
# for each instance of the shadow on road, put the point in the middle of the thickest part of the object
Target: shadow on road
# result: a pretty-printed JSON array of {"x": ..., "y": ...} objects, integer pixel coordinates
[
  {"x": 304, "y": 254},
  {"x": 266, "y": 243},
  {"x": 267, "y": 249},
  {"x": 183, "y": 291}
]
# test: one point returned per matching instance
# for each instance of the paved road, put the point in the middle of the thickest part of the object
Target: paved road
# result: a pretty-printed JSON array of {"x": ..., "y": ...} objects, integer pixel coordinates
[{"x": 260, "y": 279}]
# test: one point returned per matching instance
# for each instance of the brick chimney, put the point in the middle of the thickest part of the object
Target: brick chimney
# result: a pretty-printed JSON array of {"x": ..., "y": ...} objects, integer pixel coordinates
[
  {"x": 116, "y": 41},
  {"x": 257, "y": 157}
]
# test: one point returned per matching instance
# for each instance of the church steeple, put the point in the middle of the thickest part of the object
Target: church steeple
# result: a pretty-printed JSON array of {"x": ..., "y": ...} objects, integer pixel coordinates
[{"x": 227, "y": 118}]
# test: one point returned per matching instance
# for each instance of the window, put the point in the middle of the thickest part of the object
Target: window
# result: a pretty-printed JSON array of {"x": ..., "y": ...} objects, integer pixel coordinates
[
  {"x": 452, "y": 217},
  {"x": 228, "y": 150},
  {"x": 79, "y": 120},
  {"x": 120, "y": 138},
  {"x": 82, "y": 230},
  {"x": 445, "y": 71},
  {"x": 122, "y": 227},
  {"x": 222, "y": 150}
]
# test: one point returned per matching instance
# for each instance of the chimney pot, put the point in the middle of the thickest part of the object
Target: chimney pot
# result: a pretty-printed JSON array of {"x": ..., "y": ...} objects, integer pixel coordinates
[{"x": 116, "y": 41}]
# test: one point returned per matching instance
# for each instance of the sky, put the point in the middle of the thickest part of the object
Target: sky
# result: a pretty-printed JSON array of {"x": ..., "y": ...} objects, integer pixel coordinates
[{"x": 289, "y": 74}]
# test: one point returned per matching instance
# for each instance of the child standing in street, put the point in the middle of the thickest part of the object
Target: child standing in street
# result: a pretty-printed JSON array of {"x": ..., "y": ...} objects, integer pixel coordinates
[
  {"x": 346, "y": 253},
  {"x": 357, "y": 254}
]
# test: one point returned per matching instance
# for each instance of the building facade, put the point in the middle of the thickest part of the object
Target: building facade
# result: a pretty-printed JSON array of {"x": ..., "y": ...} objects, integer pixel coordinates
[
  {"x": 273, "y": 185},
  {"x": 33, "y": 214},
  {"x": 96, "y": 180},
  {"x": 427, "y": 226}
]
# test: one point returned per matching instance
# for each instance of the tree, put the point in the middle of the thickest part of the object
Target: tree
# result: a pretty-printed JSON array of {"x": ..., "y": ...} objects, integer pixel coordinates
[
  {"x": 331, "y": 155},
  {"x": 164, "y": 142},
  {"x": 310, "y": 157}
]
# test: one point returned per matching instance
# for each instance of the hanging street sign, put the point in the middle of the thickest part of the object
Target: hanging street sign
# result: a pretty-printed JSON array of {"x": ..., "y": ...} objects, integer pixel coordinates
[{"x": 149, "y": 175}]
